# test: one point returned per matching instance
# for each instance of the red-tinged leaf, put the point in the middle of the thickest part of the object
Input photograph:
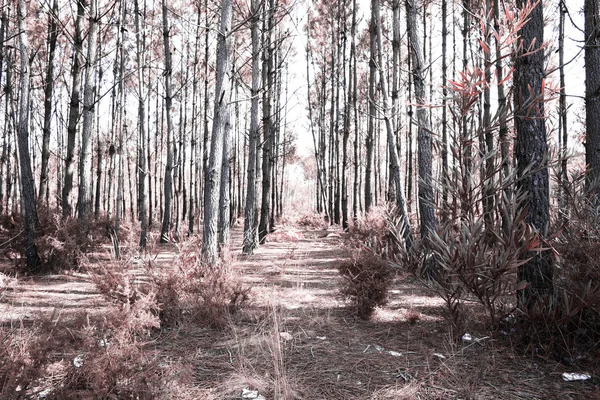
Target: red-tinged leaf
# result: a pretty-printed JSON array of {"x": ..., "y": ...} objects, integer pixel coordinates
[
  {"x": 522, "y": 285},
  {"x": 496, "y": 36},
  {"x": 543, "y": 86}
]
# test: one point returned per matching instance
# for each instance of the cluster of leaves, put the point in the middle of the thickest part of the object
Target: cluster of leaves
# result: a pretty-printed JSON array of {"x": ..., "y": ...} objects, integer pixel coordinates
[
  {"x": 188, "y": 289},
  {"x": 366, "y": 279}
]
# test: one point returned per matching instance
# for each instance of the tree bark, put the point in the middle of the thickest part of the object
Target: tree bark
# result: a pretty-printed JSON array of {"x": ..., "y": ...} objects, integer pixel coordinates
[
  {"x": 220, "y": 123},
  {"x": 425, "y": 148},
  {"x": 74, "y": 110},
  {"x": 27, "y": 181},
  {"x": 141, "y": 156},
  {"x": 592, "y": 95},
  {"x": 391, "y": 137},
  {"x": 250, "y": 210},
  {"x": 370, "y": 140},
  {"x": 267, "y": 156},
  {"x": 84, "y": 198},
  {"x": 531, "y": 151},
  {"x": 168, "y": 181},
  {"x": 48, "y": 94}
]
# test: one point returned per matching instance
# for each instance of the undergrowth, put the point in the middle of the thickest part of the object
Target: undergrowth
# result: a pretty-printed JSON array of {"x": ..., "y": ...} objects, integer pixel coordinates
[
  {"x": 63, "y": 243},
  {"x": 187, "y": 290},
  {"x": 366, "y": 279}
]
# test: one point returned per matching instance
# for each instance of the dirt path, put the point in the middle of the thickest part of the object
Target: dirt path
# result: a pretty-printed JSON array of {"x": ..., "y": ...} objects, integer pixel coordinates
[{"x": 296, "y": 339}]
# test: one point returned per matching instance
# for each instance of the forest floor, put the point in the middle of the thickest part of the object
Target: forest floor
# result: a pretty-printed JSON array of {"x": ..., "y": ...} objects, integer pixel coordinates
[{"x": 296, "y": 338}]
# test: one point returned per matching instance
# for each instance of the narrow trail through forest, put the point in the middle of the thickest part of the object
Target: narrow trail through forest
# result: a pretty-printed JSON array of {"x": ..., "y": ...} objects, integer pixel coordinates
[{"x": 296, "y": 339}]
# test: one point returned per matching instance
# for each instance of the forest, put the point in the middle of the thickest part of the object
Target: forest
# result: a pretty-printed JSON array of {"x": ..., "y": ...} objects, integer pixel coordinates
[{"x": 289, "y": 199}]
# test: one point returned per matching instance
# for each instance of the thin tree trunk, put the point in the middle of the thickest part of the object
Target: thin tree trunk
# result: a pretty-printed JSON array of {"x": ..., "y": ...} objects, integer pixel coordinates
[
  {"x": 445, "y": 175},
  {"x": 84, "y": 198},
  {"x": 74, "y": 111},
  {"x": 370, "y": 140},
  {"x": 168, "y": 181},
  {"x": 502, "y": 112},
  {"x": 5, "y": 153},
  {"x": 488, "y": 181},
  {"x": 563, "y": 134},
  {"x": 250, "y": 210},
  {"x": 267, "y": 156},
  {"x": 224, "y": 197},
  {"x": 141, "y": 155},
  {"x": 48, "y": 94}
]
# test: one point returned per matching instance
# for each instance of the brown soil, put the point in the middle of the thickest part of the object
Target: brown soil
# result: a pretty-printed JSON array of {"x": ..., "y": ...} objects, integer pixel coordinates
[{"x": 297, "y": 339}]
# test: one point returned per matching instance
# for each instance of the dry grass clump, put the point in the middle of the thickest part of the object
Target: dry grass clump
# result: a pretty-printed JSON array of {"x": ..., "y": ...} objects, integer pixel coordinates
[
  {"x": 366, "y": 279},
  {"x": 313, "y": 221},
  {"x": 63, "y": 243},
  {"x": 188, "y": 290},
  {"x": 106, "y": 357},
  {"x": 285, "y": 235}
]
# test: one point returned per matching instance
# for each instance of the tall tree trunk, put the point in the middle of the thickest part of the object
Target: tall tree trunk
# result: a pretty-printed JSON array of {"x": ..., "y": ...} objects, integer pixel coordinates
[
  {"x": 488, "y": 181},
  {"x": 48, "y": 94},
  {"x": 531, "y": 150},
  {"x": 196, "y": 148},
  {"x": 267, "y": 157},
  {"x": 320, "y": 192},
  {"x": 355, "y": 188},
  {"x": 141, "y": 156},
  {"x": 391, "y": 137},
  {"x": 563, "y": 134},
  {"x": 99, "y": 150},
  {"x": 27, "y": 181},
  {"x": 84, "y": 198},
  {"x": 168, "y": 181},
  {"x": 370, "y": 140},
  {"x": 74, "y": 110},
  {"x": 206, "y": 136},
  {"x": 445, "y": 173},
  {"x": 220, "y": 123},
  {"x": 5, "y": 154},
  {"x": 224, "y": 196},
  {"x": 250, "y": 210},
  {"x": 502, "y": 113},
  {"x": 346, "y": 136},
  {"x": 592, "y": 95},
  {"x": 425, "y": 148}
]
